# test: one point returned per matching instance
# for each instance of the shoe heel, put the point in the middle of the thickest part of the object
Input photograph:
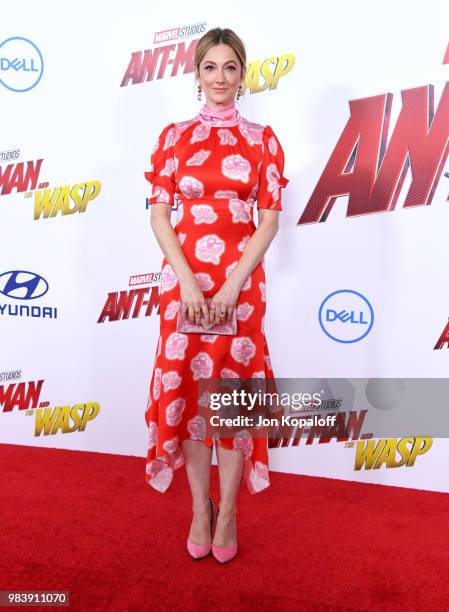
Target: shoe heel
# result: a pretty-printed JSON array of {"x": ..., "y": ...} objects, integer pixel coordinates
[
  {"x": 213, "y": 513},
  {"x": 198, "y": 551},
  {"x": 224, "y": 553}
]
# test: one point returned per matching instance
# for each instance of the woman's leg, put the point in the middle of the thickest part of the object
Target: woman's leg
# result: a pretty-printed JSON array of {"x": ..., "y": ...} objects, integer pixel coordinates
[
  {"x": 198, "y": 458},
  {"x": 230, "y": 468}
]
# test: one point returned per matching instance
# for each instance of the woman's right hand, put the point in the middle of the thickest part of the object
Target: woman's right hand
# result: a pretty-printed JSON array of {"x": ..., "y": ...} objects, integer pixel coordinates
[{"x": 193, "y": 303}]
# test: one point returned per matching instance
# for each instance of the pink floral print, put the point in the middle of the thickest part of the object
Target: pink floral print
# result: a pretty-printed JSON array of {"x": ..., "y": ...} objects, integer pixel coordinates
[
  {"x": 176, "y": 346},
  {"x": 191, "y": 187},
  {"x": 200, "y": 133},
  {"x": 168, "y": 278},
  {"x": 198, "y": 158},
  {"x": 171, "y": 380},
  {"x": 236, "y": 167},
  {"x": 202, "y": 366},
  {"x": 213, "y": 176},
  {"x": 240, "y": 211},
  {"x": 209, "y": 248},
  {"x": 197, "y": 428},
  {"x": 174, "y": 411},
  {"x": 226, "y": 137},
  {"x": 203, "y": 213},
  {"x": 243, "y": 349},
  {"x": 244, "y": 311},
  {"x": 204, "y": 280}
]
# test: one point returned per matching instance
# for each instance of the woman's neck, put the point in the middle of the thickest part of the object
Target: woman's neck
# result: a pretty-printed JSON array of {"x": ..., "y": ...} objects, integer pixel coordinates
[{"x": 226, "y": 115}]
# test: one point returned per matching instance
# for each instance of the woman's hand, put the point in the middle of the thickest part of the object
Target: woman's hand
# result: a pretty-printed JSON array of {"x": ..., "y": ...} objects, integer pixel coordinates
[
  {"x": 224, "y": 301},
  {"x": 193, "y": 303}
]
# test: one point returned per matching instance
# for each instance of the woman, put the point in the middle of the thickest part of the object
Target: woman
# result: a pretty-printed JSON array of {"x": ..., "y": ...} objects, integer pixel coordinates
[{"x": 216, "y": 166}]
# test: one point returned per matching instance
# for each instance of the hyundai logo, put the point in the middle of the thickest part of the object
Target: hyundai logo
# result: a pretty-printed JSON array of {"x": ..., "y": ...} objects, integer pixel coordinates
[
  {"x": 346, "y": 316},
  {"x": 22, "y": 285}
]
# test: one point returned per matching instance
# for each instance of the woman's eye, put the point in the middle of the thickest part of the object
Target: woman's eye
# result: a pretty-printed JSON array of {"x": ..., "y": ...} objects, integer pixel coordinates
[{"x": 231, "y": 67}]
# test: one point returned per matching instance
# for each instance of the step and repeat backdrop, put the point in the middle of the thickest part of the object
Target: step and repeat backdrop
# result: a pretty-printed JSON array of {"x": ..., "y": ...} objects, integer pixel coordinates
[{"x": 356, "y": 276}]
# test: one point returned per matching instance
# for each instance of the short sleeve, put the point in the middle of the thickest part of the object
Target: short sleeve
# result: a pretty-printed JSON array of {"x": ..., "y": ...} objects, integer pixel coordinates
[
  {"x": 161, "y": 174},
  {"x": 271, "y": 178}
]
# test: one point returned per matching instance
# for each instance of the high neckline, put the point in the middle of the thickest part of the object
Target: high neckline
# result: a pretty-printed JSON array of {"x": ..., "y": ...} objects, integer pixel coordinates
[{"x": 226, "y": 116}]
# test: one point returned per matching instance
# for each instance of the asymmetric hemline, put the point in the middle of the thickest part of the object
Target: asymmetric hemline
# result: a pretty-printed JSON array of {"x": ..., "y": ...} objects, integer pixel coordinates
[{"x": 215, "y": 175}]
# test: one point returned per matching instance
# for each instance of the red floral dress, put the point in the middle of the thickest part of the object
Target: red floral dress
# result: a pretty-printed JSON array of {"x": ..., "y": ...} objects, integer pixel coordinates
[{"x": 215, "y": 175}]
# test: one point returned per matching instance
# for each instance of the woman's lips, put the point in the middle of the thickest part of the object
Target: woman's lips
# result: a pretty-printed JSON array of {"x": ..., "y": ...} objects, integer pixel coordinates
[{"x": 219, "y": 90}]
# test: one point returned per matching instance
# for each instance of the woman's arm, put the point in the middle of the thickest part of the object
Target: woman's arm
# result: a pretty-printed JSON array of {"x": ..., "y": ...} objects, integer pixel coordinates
[
  {"x": 256, "y": 247},
  {"x": 192, "y": 298}
]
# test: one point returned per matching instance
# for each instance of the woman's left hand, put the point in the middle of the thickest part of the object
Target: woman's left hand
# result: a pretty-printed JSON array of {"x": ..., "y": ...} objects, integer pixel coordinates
[{"x": 223, "y": 303}]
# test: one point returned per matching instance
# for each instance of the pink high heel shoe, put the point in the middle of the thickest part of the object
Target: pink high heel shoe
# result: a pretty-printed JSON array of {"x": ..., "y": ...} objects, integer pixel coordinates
[
  {"x": 224, "y": 553},
  {"x": 198, "y": 551}
]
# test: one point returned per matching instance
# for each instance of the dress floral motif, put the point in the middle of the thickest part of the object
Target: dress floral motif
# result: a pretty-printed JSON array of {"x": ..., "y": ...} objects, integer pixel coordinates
[{"x": 215, "y": 175}]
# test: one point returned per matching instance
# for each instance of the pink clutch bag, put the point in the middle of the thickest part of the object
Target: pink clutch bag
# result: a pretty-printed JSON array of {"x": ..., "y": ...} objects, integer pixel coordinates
[{"x": 184, "y": 326}]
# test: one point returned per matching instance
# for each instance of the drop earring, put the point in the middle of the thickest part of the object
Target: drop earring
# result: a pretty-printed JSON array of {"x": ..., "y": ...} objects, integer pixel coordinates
[
  {"x": 199, "y": 93},
  {"x": 239, "y": 91}
]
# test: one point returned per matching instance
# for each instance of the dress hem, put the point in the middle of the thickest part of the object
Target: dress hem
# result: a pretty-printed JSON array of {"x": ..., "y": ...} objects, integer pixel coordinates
[{"x": 162, "y": 475}]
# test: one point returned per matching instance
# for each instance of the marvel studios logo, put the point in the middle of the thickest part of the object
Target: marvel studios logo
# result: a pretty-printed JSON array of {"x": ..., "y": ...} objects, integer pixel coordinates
[
  {"x": 150, "y": 278},
  {"x": 179, "y": 32}
]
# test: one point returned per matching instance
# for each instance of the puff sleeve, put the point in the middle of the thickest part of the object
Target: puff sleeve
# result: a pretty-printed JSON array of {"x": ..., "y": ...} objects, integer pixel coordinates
[
  {"x": 161, "y": 174},
  {"x": 271, "y": 177}
]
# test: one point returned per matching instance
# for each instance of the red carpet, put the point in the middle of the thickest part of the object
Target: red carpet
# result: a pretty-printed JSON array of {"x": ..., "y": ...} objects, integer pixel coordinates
[{"x": 89, "y": 524}]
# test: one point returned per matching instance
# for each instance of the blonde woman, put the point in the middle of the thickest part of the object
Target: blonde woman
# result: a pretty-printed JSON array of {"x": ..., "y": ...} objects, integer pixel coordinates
[{"x": 217, "y": 166}]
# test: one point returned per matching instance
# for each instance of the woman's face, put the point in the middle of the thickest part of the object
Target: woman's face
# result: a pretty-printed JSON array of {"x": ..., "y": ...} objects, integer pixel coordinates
[{"x": 220, "y": 75}]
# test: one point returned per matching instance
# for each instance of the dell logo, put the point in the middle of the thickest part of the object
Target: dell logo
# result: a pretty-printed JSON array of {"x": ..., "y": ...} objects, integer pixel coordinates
[
  {"x": 21, "y": 64},
  {"x": 346, "y": 316}
]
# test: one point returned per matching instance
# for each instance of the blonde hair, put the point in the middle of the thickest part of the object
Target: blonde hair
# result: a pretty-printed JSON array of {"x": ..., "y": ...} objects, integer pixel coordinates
[{"x": 218, "y": 36}]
